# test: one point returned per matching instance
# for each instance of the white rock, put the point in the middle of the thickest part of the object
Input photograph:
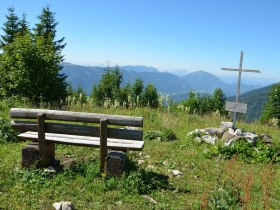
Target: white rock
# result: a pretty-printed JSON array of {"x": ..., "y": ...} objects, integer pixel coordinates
[
  {"x": 226, "y": 124},
  {"x": 238, "y": 132},
  {"x": 140, "y": 162},
  {"x": 165, "y": 163},
  {"x": 66, "y": 205},
  {"x": 150, "y": 199},
  {"x": 50, "y": 169},
  {"x": 150, "y": 167},
  {"x": 251, "y": 137},
  {"x": 58, "y": 205},
  {"x": 231, "y": 131},
  {"x": 198, "y": 139},
  {"x": 190, "y": 133},
  {"x": 228, "y": 143},
  {"x": 176, "y": 172},
  {"x": 209, "y": 139}
]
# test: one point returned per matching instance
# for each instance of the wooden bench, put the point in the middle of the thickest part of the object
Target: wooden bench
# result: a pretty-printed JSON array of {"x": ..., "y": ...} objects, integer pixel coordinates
[{"x": 51, "y": 126}]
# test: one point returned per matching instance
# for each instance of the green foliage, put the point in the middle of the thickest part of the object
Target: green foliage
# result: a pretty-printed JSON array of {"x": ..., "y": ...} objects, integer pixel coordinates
[
  {"x": 150, "y": 96},
  {"x": 110, "y": 93},
  {"x": 152, "y": 134},
  {"x": 11, "y": 28},
  {"x": 250, "y": 153},
  {"x": 108, "y": 87},
  {"x": 78, "y": 94},
  {"x": 30, "y": 66},
  {"x": 7, "y": 134},
  {"x": 205, "y": 104},
  {"x": 137, "y": 91},
  {"x": 226, "y": 196},
  {"x": 169, "y": 135},
  {"x": 219, "y": 100},
  {"x": 272, "y": 106},
  {"x": 46, "y": 28}
]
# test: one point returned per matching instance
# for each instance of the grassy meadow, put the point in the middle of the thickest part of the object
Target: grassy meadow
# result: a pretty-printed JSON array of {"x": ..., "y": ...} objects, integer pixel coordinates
[{"x": 207, "y": 179}]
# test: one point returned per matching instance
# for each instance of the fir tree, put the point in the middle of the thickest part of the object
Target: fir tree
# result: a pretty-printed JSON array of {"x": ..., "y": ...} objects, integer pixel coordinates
[
  {"x": 272, "y": 106},
  {"x": 150, "y": 96},
  {"x": 219, "y": 100},
  {"x": 11, "y": 28},
  {"x": 23, "y": 26},
  {"x": 47, "y": 28}
]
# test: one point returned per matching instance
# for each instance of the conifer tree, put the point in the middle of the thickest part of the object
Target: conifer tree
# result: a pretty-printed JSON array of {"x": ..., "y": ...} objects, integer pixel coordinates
[
  {"x": 11, "y": 28},
  {"x": 23, "y": 26},
  {"x": 47, "y": 28},
  {"x": 150, "y": 96},
  {"x": 272, "y": 106},
  {"x": 30, "y": 67},
  {"x": 137, "y": 90},
  {"x": 219, "y": 100}
]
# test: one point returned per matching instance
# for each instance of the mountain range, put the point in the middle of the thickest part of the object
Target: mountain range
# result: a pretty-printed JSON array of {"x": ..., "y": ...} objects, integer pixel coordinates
[{"x": 165, "y": 82}]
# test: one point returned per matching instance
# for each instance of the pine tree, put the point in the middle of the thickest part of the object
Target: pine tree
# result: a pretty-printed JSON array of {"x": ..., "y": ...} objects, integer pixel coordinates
[
  {"x": 30, "y": 67},
  {"x": 108, "y": 87},
  {"x": 23, "y": 26},
  {"x": 44, "y": 36},
  {"x": 150, "y": 96},
  {"x": 272, "y": 106},
  {"x": 137, "y": 91},
  {"x": 219, "y": 100},
  {"x": 47, "y": 28},
  {"x": 11, "y": 28}
]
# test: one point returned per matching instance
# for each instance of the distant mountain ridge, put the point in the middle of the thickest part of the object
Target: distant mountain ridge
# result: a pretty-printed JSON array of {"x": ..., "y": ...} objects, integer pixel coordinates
[{"x": 165, "y": 82}]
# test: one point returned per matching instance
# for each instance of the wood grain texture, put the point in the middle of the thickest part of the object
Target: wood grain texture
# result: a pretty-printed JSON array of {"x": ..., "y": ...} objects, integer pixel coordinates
[
  {"x": 103, "y": 144},
  {"x": 77, "y": 116},
  {"x": 41, "y": 134},
  {"x": 85, "y": 140},
  {"x": 81, "y": 130}
]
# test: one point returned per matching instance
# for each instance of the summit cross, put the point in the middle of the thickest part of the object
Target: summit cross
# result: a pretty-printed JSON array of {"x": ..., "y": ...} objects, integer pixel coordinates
[{"x": 240, "y": 70}]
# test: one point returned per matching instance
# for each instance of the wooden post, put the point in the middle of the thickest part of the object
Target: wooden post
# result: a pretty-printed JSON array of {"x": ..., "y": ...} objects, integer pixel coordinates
[
  {"x": 42, "y": 139},
  {"x": 103, "y": 144},
  {"x": 240, "y": 70}
]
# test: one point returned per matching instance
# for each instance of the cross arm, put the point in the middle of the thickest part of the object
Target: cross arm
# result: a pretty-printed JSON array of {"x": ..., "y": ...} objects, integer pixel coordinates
[{"x": 243, "y": 70}]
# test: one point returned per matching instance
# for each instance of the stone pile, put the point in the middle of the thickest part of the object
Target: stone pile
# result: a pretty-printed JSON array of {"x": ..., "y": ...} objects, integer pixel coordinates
[{"x": 227, "y": 134}]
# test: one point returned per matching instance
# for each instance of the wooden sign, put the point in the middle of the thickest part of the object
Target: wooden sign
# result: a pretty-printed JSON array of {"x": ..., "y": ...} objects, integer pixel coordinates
[{"x": 236, "y": 107}]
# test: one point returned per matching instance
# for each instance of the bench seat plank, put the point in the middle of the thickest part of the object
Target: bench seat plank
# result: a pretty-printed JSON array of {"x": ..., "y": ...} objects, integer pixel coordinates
[{"x": 85, "y": 140}]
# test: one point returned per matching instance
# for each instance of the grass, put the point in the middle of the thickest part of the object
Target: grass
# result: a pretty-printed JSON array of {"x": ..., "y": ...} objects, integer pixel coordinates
[{"x": 258, "y": 185}]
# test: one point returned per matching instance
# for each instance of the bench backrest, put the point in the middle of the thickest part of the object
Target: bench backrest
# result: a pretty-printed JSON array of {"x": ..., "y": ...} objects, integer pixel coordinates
[{"x": 23, "y": 123}]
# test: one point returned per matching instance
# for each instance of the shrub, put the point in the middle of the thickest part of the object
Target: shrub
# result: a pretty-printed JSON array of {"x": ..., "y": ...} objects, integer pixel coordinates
[
  {"x": 7, "y": 134},
  {"x": 169, "y": 135},
  {"x": 258, "y": 153},
  {"x": 152, "y": 134}
]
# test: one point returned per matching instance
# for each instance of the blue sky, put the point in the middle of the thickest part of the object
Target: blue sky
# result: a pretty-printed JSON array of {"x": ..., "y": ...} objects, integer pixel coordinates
[{"x": 167, "y": 34}]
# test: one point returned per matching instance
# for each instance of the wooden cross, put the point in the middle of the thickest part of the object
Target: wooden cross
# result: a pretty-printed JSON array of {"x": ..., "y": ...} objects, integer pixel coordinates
[{"x": 239, "y": 82}]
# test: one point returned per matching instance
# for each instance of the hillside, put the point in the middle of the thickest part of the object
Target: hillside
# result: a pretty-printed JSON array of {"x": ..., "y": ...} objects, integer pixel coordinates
[
  {"x": 255, "y": 100},
  {"x": 148, "y": 174},
  {"x": 165, "y": 82},
  {"x": 206, "y": 82}
]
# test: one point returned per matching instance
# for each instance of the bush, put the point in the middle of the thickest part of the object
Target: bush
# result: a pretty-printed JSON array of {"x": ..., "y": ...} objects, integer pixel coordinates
[
  {"x": 258, "y": 153},
  {"x": 7, "y": 134},
  {"x": 152, "y": 134},
  {"x": 169, "y": 135}
]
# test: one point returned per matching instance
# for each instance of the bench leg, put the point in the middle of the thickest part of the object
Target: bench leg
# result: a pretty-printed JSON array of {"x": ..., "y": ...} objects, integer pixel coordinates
[
  {"x": 103, "y": 144},
  {"x": 46, "y": 150},
  {"x": 30, "y": 156}
]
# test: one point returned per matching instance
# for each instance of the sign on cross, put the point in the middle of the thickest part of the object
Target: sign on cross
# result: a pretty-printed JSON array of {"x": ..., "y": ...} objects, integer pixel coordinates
[{"x": 236, "y": 107}]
